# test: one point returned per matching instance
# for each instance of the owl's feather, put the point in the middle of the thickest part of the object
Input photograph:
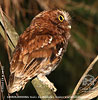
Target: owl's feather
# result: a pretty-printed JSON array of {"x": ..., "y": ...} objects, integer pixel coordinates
[{"x": 39, "y": 49}]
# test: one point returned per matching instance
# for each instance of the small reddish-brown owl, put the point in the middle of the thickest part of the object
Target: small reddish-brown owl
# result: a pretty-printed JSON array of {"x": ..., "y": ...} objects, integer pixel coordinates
[{"x": 40, "y": 48}]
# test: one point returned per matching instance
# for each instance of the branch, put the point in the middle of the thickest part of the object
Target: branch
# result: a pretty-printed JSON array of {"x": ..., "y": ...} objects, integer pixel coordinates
[
  {"x": 6, "y": 27},
  {"x": 43, "y": 91},
  {"x": 12, "y": 36},
  {"x": 89, "y": 94},
  {"x": 83, "y": 76}
]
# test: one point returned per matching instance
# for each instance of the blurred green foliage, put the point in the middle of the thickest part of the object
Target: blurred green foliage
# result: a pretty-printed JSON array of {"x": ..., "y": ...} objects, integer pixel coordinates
[{"x": 84, "y": 34}]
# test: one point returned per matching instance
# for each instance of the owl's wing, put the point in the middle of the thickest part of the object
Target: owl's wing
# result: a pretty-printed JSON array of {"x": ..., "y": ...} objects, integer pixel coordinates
[
  {"x": 27, "y": 59},
  {"x": 31, "y": 57},
  {"x": 31, "y": 52}
]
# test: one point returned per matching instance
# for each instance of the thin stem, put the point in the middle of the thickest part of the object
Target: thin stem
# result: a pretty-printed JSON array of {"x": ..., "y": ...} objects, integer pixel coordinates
[{"x": 83, "y": 76}]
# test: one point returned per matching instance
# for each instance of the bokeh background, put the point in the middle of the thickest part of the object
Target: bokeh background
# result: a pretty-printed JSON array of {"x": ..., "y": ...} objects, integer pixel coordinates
[{"x": 82, "y": 48}]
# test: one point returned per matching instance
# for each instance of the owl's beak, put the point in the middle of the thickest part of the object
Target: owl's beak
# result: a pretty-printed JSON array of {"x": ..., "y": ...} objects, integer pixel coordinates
[{"x": 69, "y": 26}]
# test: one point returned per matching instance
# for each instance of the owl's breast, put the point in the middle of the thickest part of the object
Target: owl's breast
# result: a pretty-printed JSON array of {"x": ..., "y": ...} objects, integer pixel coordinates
[{"x": 54, "y": 59}]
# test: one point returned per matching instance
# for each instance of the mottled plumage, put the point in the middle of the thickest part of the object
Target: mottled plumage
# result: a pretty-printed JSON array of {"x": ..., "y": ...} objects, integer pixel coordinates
[{"x": 40, "y": 48}]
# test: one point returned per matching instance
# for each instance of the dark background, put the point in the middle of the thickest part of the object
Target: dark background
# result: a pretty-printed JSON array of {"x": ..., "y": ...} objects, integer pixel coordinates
[{"x": 82, "y": 48}]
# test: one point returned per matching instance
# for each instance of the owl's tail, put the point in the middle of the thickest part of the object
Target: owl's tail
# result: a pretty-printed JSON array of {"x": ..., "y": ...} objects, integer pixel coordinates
[{"x": 15, "y": 83}]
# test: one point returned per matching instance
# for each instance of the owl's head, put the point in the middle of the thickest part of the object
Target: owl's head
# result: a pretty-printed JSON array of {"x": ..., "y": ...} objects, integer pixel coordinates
[{"x": 57, "y": 21}]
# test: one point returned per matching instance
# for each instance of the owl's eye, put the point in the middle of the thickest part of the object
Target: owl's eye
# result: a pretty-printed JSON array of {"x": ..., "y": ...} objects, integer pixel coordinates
[{"x": 61, "y": 18}]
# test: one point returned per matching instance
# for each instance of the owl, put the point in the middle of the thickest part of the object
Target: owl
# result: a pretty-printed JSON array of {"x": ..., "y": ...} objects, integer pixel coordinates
[{"x": 40, "y": 48}]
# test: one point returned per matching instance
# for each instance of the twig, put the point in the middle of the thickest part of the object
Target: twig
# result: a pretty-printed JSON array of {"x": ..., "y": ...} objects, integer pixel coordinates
[
  {"x": 89, "y": 94},
  {"x": 83, "y": 76},
  {"x": 88, "y": 85}
]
